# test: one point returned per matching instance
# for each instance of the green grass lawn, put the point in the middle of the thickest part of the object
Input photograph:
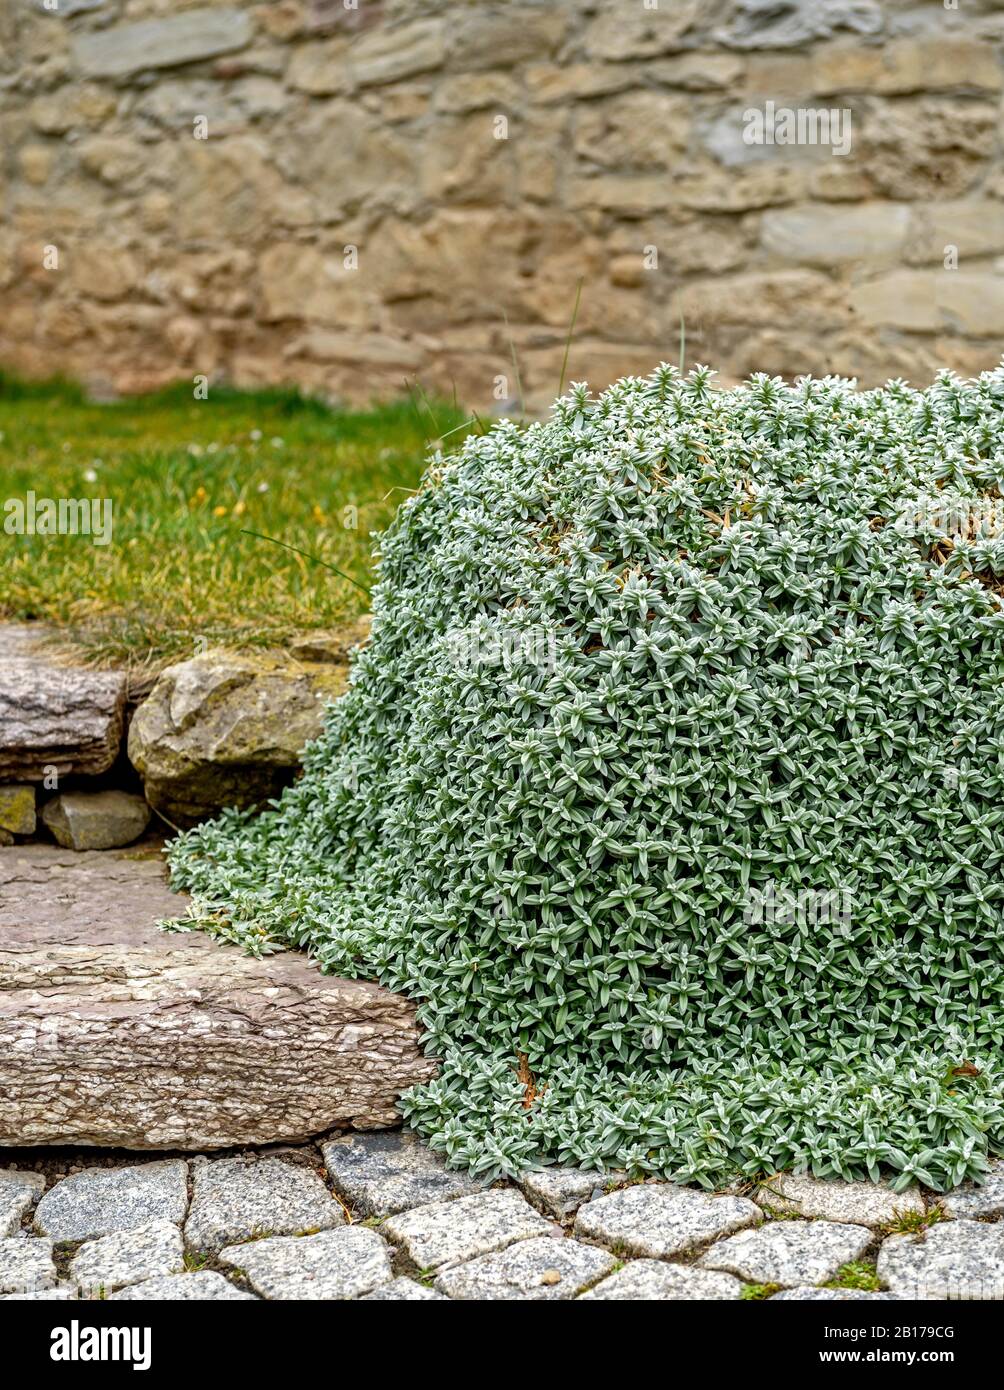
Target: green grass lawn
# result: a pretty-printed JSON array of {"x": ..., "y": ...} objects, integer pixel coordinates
[{"x": 186, "y": 479}]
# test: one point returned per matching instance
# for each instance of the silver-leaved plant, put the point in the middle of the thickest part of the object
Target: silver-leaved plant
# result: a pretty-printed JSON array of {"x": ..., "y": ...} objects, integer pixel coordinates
[{"x": 671, "y": 785}]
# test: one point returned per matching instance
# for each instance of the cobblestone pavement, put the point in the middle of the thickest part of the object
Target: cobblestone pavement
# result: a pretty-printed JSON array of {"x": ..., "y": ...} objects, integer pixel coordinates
[{"x": 377, "y": 1216}]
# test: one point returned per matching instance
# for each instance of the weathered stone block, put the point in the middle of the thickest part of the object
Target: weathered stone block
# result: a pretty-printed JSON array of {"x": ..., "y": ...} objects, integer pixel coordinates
[
  {"x": 638, "y": 130},
  {"x": 96, "y": 820},
  {"x": 54, "y": 716},
  {"x": 623, "y": 30},
  {"x": 550, "y": 83},
  {"x": 237, "y": 1199},
  {"x": 766, "y": 24},
  {"x": 924, "y": 301},
  {"x": 860, "y": 1203},
  {"x": 380, "y": 1174},
  {"x": 502, "y": 38},
  {"x": 188, "y": 37},
  {"x": 825, "y": 236},
  {"x": 790, "y": 1252},
  {"x": 925, "y": 63},
  {"x": 329, "y": 1265},
  {"x": 227, "y": 729},
  {"x": 100, "y": 1202},
  {"x": 17, "y": 810},
  {"x": 973, "y": 226},
  {"x": 957, "y": 1259},
  {"x": 660, "y": 1221},
  {"x": 115, "y": 1033},
  {"x": 388, "y": 55}
]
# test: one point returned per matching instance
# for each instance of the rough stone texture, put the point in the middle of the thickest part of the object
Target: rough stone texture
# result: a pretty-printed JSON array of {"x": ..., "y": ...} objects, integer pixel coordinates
[
  {"x": 377, "y": 128},
  {"x": 379, "y": 1174},
  {"x": 332, "y": 1264},
  {"x": 18, "y": 1193},
  {"x": 652, "y": 1281},
  {"x": 542, "y": 1269},
  {"x": 128, "y": 1257},
  {"x": 450, "y": 1233},
  {"x": 108, "y": 1201},
  {"x": 824, "y": 235},
  {"x": 53, "y": 715},
  {"x": 660, "y": 1221},
  {"x": 861, "y": 1203},
  {"x": 237, "y": 1199},
  {"x": 980, "y": 1202},
  {"x": 17, "y": 810},
  {"x": 804, "y": 1293},
  {"x": 955, "y": 1259},
  {"x": 205, "y": 1285},
  {"x": 113, "y": 1032},
  {"x": 403, "y": 1291},
  {"x": 26, "y": 1266},
  {"x": 125, "y": 49},
  {"x": 561, "y": 1191},
  {"x": 227, "y": 729},
  {"x": 96, "y": 820},
  {"x": 789, "y": 1252}
]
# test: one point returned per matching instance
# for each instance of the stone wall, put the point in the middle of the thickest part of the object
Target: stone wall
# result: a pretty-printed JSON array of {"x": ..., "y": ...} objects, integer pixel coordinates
[{"x": 348, "y": 194}]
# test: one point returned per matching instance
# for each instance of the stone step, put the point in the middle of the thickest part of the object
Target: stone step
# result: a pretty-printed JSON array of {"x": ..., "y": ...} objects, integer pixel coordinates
[{"x": 115, "y": 1033}]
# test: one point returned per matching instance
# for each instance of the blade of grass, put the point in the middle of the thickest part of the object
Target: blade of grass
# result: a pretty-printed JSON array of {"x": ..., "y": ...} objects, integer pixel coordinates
[
  {"x": 307, "y": 556},
  {"x": 568, "y": 340},
  {"x": 515, "y": 365}
]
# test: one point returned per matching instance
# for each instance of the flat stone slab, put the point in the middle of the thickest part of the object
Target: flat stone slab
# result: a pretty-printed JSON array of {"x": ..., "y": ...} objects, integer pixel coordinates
[
  {"x": 652, "y": 1281},
  {"x": 108, "y": 1201},
  {"x": 805, "y": 1293},
  {"x": 333, "y": 1264},
  {"x": 204, "y": 1286},
  {"x": 54, "y": 716},
  {"x": 18, "y": 1194},
  {"x": 977, "y": 1202},
  {"x": 128, "y": 1257},
  {"x": 380, "y": 1174},
  {"x": 789, "y": 1252},
  {"x": 659, "y": 1220},
  {"x": 450, "y": 1233},
  {"x": 190, "y": 37},
  {"x": 955, "y": 1259},
  {"x": 860, "y": 1203},
  {"x": 236, "y": 1199},
  {"x": 541, "y": 1269},
  {"x": 26, "y": 1266},
  {"x": 115, "y": 1033},
  {"x": 561, "y": 1191},
  {"x": 403, "y": 1291}
]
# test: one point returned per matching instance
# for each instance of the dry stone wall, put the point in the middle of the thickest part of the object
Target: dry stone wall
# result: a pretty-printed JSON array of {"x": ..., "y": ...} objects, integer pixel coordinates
[{"x": 348, "y": 193}]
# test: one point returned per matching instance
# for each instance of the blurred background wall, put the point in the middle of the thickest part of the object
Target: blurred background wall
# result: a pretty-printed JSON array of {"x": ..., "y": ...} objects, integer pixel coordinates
[{"x": 345, "y": 195}]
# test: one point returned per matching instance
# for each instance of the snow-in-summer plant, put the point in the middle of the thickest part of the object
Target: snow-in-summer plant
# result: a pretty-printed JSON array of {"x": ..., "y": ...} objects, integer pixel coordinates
[{"x": 670, "y": 649}]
